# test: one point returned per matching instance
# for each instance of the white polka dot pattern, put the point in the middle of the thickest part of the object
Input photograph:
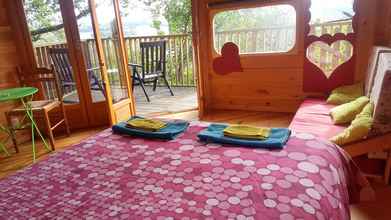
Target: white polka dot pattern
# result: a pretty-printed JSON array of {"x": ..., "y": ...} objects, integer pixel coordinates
[{"x": 116, "y": 177}]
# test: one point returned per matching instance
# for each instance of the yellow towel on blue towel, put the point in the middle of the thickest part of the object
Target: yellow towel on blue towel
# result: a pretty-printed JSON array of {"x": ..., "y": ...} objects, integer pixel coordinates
[
  {"x": 247, "y": 132},
  {"x": 145, "y": 124}
]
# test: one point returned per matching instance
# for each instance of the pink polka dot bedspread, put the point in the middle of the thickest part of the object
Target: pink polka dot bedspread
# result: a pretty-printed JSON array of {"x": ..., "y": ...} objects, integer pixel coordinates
[{"x": 110, "y": 176}]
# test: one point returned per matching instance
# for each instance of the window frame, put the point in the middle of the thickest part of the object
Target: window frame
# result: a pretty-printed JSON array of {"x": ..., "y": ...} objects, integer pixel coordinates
[{"x": 292, "y": 51}]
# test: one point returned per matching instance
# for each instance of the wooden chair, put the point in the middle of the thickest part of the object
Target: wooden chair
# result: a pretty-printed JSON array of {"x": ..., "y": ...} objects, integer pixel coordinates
[
  {"x": 63, "y": 67},
  {"x": 41, "y": 108},
  {"x": 153, "y": 66}
]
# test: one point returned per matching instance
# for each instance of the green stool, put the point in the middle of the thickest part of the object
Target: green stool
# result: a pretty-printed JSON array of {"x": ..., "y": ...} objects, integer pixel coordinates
[{"x": 24, "y": 95}]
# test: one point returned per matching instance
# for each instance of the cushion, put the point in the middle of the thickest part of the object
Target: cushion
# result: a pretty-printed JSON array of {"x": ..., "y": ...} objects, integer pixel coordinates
[
  {"x": 381, "y": 96},
  {"x": 345, "y": 113},
  {"x": 346, "y": 94},
  {"x": 373, "y": 67},
  {"x": 359, "y": 129},
  {"x": 313, "y": 117}
]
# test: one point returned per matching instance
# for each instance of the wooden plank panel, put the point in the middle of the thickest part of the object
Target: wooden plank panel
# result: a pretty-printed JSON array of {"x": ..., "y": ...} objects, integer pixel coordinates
[
  {"x": 3, "y": 14},
  {"x": 268, "y": 88},
  {"x": 272, "y": 104},
  {"x": 9, "y": 59}
]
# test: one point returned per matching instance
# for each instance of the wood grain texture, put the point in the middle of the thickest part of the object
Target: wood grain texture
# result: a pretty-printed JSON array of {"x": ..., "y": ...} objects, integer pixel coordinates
[
  {"x": 8, "y": 60},
  {"x": 277, "y": 78},
  {"x": 383, "y": 23},
  {"x": 267, "y": 82}
]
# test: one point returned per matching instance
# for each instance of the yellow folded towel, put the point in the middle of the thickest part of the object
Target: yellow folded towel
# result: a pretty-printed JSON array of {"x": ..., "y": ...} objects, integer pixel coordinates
[
  {"x": 145, "y": 124},
  {"x": 247, "y": 132}
]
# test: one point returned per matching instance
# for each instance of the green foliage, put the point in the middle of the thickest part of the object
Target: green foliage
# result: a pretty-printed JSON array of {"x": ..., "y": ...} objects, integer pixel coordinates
[
  {"x": 46, "y": 25},
  {"x": 45, "y": 20},
  {"x": 176, "y": 12},
  {"x": 41, "y": 14},
  {"x": 254, "y": 18}
]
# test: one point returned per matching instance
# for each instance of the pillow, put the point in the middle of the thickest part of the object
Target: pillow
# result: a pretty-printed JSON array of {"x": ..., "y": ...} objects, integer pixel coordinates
[
  {"x": 345, "y": 113},
  {"x": 359, "y": 129},
  {"x": 346, "y": 94}
]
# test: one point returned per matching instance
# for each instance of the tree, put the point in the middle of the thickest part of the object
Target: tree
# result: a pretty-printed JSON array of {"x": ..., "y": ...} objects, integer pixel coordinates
[
  {"x": 44, "y": 16},
  {"x": 45, "y": 20},
  {"x": 255, "y": 18},
  {"x": 176, "y": 12}
]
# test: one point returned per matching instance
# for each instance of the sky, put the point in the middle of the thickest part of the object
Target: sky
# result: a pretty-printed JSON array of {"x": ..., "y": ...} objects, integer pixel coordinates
[
  {"x": 138, "y": 21},
  {"x": 329, "y": 10}
]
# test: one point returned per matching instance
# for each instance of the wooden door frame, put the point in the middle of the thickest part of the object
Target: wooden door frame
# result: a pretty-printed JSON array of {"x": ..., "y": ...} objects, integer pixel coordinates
[
  {"x": 25, "y": 48},
  {"x": 93, "y": 109},
  {"x": 124, "y": 57},
  {"x": 84, "y": 110},
  {"x": 111, "y": 106},
  {"x": 101, "y": 58}
]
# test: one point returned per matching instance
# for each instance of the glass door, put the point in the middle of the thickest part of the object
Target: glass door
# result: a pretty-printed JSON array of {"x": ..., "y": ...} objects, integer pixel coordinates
[
  {"x": 92, "y": 77},
  {"x": 112, "y": 60},
  {"x": 88, "y": 53},
  {"x": 48, "y": 25}
]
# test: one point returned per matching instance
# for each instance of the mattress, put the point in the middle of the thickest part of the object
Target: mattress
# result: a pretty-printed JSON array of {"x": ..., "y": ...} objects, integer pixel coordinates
[
  {"x": 110, "y": 176},
  {"x": 313, "y": 117},
  {"x": 381, "y": 96}
]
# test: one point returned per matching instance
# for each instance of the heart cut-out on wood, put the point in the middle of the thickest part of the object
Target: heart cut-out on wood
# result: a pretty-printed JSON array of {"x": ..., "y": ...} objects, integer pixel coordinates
[
  {"x": 329, "y": 57},
  {"x": 229, "y": 61}
]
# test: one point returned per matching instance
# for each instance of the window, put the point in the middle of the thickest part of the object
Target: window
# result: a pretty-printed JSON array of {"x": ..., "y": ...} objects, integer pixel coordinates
[
  {"x": 331, "y": 17},
  {"x": 267, "y": 29}
]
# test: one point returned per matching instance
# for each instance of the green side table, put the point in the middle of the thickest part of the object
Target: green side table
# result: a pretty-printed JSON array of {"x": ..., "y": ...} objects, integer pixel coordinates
[{"x": 24, "y": 95}]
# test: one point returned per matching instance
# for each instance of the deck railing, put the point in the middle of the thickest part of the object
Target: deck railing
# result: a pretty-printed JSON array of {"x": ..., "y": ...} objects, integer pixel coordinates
[{"x": 180, "y": 55}]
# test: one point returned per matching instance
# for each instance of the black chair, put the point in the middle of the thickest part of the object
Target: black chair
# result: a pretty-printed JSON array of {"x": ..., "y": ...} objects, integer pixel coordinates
[
  {"x": 153, "y": 66},
  {"x": 62, "y": 65}
]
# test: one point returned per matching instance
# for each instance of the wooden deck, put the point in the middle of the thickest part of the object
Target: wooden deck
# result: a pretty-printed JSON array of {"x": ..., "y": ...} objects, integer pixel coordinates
[{"x": 184, "y": 99}]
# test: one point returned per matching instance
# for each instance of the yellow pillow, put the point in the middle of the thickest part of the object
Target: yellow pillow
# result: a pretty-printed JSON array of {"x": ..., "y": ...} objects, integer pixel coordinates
[
  {"x": 345, "y": 113},
  {"x": 359, "y": 128},
  {"x": 345, "y": 94}
]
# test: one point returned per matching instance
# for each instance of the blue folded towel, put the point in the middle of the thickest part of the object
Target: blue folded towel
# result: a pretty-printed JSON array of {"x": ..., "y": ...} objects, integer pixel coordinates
[
  {"x": 215, "y": 133},
  {"x": 172, "y": 129}
]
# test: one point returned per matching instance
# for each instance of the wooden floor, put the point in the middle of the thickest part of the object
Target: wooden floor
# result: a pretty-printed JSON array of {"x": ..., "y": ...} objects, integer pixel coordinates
[{"x": 377, "y": 210}]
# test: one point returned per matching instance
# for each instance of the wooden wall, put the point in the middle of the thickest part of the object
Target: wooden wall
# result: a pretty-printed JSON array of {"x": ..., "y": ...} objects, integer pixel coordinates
[
  {"x": 274, "y": 82},
  {"x": 383, "y": 23},
  {"x": 8, "y": 58},
  {"x": 267, "y": 83}
]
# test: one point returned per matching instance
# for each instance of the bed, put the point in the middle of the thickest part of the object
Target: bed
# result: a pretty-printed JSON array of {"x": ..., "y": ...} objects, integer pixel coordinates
[{"x": 109, "y": 176}]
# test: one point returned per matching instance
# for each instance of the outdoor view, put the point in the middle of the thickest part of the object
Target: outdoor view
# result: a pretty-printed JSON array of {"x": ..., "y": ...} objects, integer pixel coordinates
[
  {"x": 262, "y": 29},
  {"x": 255, "y": 30},
  {"x": 331, "y": 17},
  {"x": 143, "y": 21}
]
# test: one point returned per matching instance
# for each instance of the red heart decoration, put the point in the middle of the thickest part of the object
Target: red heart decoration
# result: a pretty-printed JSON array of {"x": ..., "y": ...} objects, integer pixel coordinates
[
  {"x": 315, "y": 80},
  {"x": 331, "y": 58},
  {"x": 229, "y": 61}
]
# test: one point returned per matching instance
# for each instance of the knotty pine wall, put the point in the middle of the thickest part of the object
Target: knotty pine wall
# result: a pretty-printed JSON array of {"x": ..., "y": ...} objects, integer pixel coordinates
[
  {"x": 8, "y": 58},
  {"x": 383, "y": 23},
  {"x": 274, "y": 82}
]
